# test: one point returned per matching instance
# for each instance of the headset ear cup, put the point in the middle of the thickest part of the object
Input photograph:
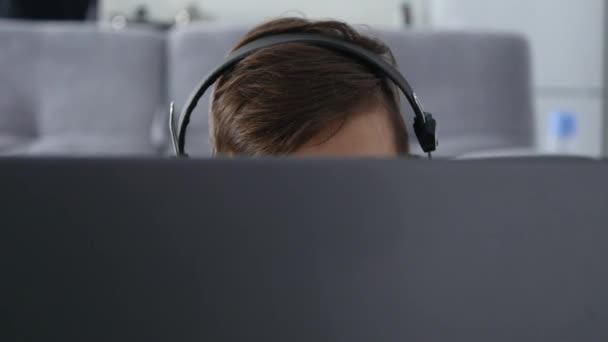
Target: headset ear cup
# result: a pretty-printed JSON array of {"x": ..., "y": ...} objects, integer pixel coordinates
[{"x": 426, "y": 132}]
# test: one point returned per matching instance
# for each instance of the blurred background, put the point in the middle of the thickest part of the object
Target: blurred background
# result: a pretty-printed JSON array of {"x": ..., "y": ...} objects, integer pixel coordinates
[{"x": 503, "y": 76}]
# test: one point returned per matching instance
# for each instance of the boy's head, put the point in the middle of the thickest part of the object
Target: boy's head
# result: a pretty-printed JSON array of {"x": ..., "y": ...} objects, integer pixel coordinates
[{"x": 302, "y": 99}]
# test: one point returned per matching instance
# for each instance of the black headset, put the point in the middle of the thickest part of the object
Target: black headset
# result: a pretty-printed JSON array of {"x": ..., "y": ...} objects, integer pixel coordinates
[{"x": 424, "y": 123}]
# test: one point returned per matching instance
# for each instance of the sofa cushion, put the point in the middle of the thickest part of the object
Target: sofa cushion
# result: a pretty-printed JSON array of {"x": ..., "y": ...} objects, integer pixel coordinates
[
  {"x": 19, "y": 57},
  {"x": 477, "y": 85},
  {"x": 68, "y": 81},
  {"x": 193, "y": 52}
]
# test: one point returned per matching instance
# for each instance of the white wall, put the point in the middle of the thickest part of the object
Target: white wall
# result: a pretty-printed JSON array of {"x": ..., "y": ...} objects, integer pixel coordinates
[
  {"x": 379, "y": 13},
  {"x": 562, "y": 32},
  {"x": 567, "y": 44}
]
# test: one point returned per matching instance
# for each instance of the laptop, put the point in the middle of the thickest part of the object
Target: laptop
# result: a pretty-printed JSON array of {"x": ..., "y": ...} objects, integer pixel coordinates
[{"x": 303, "y": 250}]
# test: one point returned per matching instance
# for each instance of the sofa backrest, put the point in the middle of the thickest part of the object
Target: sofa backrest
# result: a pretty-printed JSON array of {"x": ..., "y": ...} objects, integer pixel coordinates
[{"x": 79, "y": 89}]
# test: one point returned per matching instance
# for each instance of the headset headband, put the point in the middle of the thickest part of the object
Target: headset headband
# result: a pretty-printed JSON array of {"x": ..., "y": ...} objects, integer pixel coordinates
[{"x": 424, "y": 124}]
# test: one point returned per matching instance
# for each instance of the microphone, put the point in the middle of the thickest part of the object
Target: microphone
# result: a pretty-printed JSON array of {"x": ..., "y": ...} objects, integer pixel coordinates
[{"x": 172, "y": 130}]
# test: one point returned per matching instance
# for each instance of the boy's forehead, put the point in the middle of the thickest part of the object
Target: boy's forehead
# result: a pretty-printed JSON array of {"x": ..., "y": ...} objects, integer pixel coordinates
[{"x": 367, "y": 133}]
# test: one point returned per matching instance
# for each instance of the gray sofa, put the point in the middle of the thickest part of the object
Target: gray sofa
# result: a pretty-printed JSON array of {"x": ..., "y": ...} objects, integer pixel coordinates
[{"x": 82, "y": 89}]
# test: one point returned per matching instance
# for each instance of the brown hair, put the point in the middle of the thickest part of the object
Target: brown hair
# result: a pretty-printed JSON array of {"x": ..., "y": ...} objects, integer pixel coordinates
[{"x": 277, "y": 99}]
